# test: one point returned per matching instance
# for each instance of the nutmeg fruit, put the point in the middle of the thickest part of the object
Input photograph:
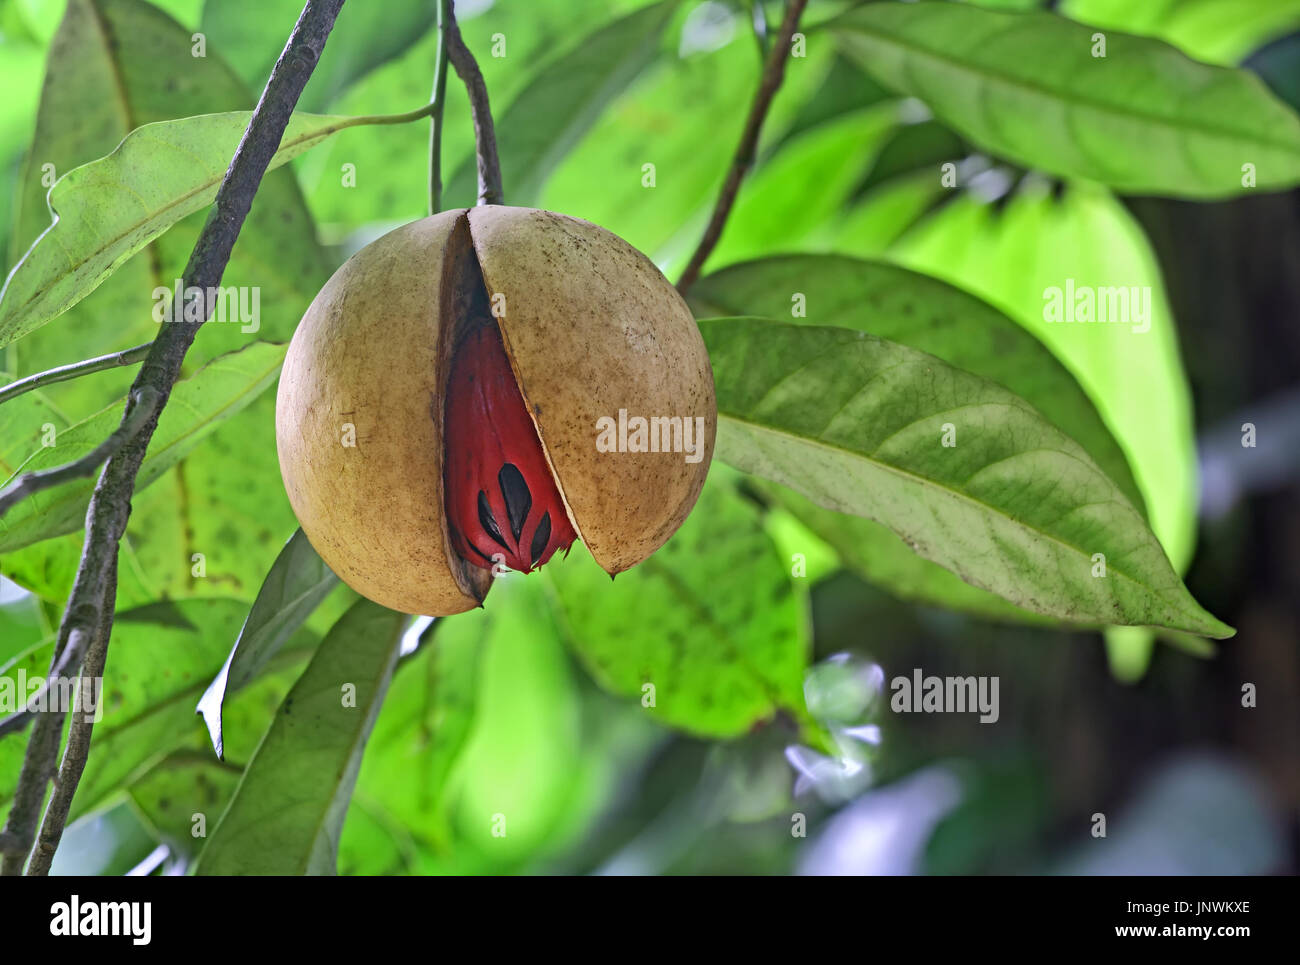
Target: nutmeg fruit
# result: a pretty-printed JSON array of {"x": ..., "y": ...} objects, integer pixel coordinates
[{"x": 475, "y": 390}]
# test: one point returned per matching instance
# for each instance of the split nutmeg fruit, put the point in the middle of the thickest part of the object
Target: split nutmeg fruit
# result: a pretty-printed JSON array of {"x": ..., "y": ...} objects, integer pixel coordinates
[{"x": 478, "y": 389}]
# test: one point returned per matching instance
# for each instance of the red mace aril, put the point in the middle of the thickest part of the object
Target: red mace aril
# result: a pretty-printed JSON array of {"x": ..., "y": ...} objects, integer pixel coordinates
[{"x": 501, "y": 498}]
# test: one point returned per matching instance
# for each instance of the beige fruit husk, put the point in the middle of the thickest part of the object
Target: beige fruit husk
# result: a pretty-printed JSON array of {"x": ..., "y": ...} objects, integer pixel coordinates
[{"x": 590, "y": 326}]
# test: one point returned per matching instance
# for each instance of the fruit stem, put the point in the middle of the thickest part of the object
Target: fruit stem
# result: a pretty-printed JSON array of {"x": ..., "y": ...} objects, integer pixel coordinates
[
  {"x": 769, "y": 83},
  {"x": 485, "y": 138},
  {"x": 437, "y": 99}
]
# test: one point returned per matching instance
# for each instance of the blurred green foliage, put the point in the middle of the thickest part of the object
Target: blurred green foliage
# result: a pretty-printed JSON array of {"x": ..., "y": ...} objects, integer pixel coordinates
[{"x": 521, "y": 737}]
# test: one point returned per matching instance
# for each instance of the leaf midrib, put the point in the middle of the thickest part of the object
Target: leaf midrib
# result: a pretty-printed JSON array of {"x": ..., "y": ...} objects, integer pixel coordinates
[{"x": 913, "y": 477}]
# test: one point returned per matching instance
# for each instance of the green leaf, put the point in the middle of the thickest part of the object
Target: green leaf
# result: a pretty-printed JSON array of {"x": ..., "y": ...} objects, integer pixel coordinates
[
  {"x": 426, "y": 723},
  {"x": 1215, "y": 31},
  {"x": 563, "y": 100},
  {"x": 876, "y": 554},
  {"x": 603, "y": 179},
  {"x": 23, "y": 423},
  {"x": 1037, "y": 243},
  {"x": 47, "y": 570},
  {"x": 885, "y": 212},
  {"x": 250, "y": 34},
  {"x": 109, "y": 209},
  {"x": 173, "y": 779},
  {"x": 920, "y": 146},
  {"x": 32, "y": 21},
  {"x": 925, "y": 314},
  {"x": 196, "y": 406},
  {"x": 224, "y": 500},
  {"x": 297, "y": 583},
  {"x": 386, "y": 167},
  {"x": 109, "y": 844},
  {"x": 527, "y": 764},
  {"x": 844, "y": 90},
  {"x": 711, "y": 620},
  {"x": 160, "y": 658},
  {"x": 1014, "y": 506},
  {"x": 817, "y": 557},
  {"x": 1012, "y": 256},
  {"x": 286, "y": 815},
  {"x": 22, "y": 624},
  {"x": 931, "y": 316},
  {"x": 180, "y": 787},
  {"x": 145, "y": 730},
  {"x": 486, "y": 730},
  {"x": 792, "y": 200},
  {"x": 21, "y": 63},
  {"x": 114, "y": 66},
  {"x": 1027, "y": 86}
]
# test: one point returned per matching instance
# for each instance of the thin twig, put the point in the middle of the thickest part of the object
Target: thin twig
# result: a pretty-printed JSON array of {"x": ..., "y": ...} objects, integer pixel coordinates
[
  {"x": 769, "y": 83},
  {"x": 38, "y": 767},
  {"x": 110, "y": 504},
  {"x": 146, "y": 407},
  {"x": 438, "y": 99},
  {"x": 78, "y": 747},
  {"x": 75, "y": 370},
  {"x": 485, "y": 137},
  {"x": 20, "y": 719}
]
